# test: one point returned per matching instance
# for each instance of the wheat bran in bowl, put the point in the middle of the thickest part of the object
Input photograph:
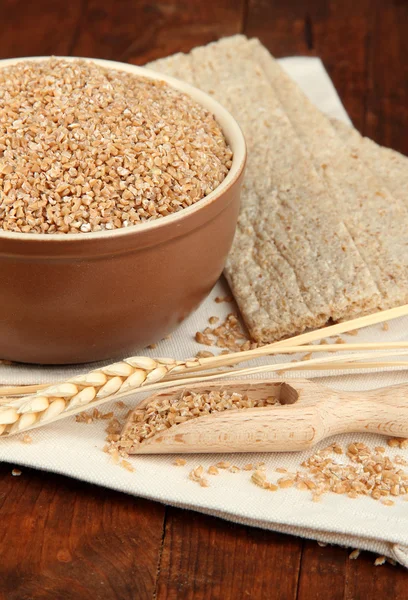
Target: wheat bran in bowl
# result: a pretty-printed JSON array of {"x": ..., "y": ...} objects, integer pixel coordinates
[
  {"x": 84, "y": 148},
  {"x": 99, "y": 289}
]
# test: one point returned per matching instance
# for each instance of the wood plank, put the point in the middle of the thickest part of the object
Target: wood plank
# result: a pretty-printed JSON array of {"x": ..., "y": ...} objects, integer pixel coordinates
[
  {"x": 387, "y": 114},
  {"x": 205, "y": 558},
  {"x": 364, "y": 580},
  {"x": 138, "y": 32},
  {"x": 322, "y": 572},
  {"x": 63, "y": 539},
  {"x": 338, "y": 31},
  {"x": 37, "y": 28}
]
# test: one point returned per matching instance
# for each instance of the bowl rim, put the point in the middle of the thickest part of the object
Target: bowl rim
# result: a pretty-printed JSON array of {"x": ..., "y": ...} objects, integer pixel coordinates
[{"x": 234, "y": 136}]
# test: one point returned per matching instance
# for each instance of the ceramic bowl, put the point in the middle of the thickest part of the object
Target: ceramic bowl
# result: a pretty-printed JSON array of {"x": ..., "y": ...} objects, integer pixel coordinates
[{"x": 79, "y": 298}]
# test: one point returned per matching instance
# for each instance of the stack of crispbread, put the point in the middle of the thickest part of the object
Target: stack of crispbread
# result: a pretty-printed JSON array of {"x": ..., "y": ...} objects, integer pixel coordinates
[{"x": 320, "y": 236}]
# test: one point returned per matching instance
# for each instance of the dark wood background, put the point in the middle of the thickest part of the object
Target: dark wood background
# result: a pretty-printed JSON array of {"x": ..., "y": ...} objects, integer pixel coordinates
[{"x": 65, "y": 540}]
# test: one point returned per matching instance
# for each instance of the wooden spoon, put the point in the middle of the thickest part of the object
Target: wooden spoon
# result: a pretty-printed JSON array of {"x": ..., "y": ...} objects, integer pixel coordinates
[{"x": 307, "y": 413}]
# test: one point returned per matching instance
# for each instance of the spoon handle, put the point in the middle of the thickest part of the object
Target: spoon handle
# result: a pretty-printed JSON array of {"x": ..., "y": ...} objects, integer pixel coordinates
[{"x": 383, "y": 411}]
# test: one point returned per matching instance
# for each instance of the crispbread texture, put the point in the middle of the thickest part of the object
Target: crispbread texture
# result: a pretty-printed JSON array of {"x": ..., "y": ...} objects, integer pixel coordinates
[
  {"x": 178, "y": 65},
  {"x": 293, "y": 264},
  {"x": 388, "y": 164},
  {"x": 376, "y": 220}
]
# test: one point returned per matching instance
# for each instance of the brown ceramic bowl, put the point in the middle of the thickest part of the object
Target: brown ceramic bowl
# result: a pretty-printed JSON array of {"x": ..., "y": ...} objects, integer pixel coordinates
[{"x": 76, "y": 298}]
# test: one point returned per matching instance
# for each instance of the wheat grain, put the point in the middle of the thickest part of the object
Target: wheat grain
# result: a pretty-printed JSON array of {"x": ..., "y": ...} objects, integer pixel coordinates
[
  {"x": 111, "y": 387},
  {"x": 117, "y": 149},
  {"x": 368, "y": 473},
  {"x": 127, "y": 465},
  {"x": 285, "y": 482},
  {"x": 204, "y": 354},
  {"x": 24, "y": 422},
  {"x": 83, "y": 397},
  {"x": 63, "y": 390},
  {"x": 223, "y": 464},
  {"x": 120, "y": 404},
  {"x": 36, "y": 404},
  {"x": 213, "y": 470},
  {"x": 397, "y": 442},
  {"x": 220, "y": 299},
  {"x": 55, "y": 408},
  {"x": 162, "y": 413},
  {"x": 8, "y": 415},
  {"x": 94, "y": 378},
  {"x": 259, "y": 478},
  {"x": 228, "y": 334},
  {"x": 197, "y": 476}
]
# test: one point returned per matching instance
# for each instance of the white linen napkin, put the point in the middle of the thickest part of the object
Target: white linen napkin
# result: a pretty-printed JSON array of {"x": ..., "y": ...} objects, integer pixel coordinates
[{"x": 75, "y": 449}]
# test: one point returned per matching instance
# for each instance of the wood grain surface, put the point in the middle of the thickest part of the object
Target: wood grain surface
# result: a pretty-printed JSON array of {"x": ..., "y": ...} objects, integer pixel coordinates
[{"x": 66, "y": 540}]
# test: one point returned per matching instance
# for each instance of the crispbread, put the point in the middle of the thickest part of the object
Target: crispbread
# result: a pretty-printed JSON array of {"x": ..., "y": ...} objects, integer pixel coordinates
[
  {"x": 178, "y": 65},
  {"x": 376, "y": 220},
  {"x": 281, "y": 267},
  {"x": 388, "y": 164}
]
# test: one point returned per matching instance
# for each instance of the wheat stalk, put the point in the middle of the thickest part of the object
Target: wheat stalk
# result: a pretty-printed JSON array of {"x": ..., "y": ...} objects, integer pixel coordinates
[
  {"x": 139, "y": 374},
  {"x": 294, "y": 344},
  {"x": 198, "y": 365}
]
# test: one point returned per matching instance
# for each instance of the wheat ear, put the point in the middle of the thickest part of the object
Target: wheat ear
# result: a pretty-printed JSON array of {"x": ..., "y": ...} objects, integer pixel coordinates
[
  {"x": 196, "y": 365},
  {"x": 137, "y": 374},
  {"x": 140, "y": 373}
]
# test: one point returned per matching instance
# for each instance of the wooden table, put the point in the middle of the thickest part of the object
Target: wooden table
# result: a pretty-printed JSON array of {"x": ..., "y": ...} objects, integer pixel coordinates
[{"x": 65, "y": 540}]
